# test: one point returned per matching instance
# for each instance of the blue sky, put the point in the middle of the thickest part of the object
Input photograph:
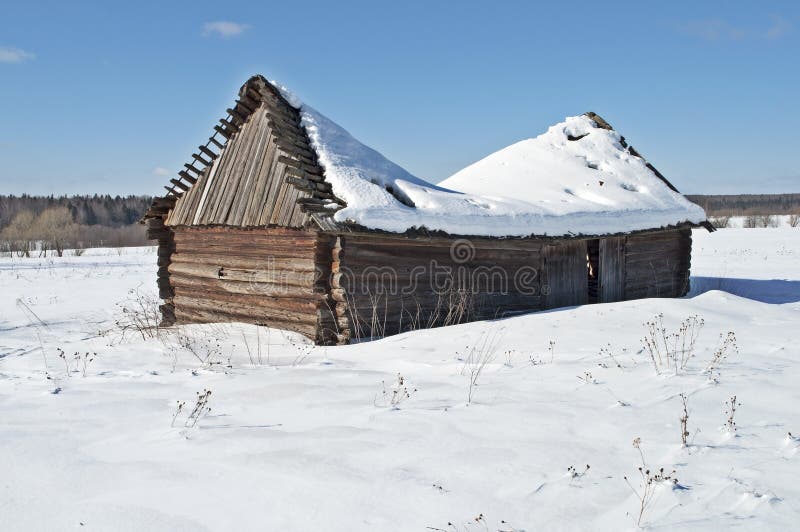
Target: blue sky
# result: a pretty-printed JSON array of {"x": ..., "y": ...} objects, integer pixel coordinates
[{"x": 96, "y": 98}]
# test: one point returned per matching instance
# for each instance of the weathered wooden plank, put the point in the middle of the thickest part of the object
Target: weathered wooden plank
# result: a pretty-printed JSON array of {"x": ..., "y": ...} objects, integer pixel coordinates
[
  {"x": 612, "y": 269},
  {"x": 565, "y": 274}
]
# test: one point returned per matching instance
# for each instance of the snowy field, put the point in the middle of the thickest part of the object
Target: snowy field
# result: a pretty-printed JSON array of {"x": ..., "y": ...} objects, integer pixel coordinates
[{"x": 304, "y": 440}]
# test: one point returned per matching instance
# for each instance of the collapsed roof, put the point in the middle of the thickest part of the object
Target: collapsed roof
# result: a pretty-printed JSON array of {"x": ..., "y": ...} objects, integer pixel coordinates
[{"x": 578, "y": 178}]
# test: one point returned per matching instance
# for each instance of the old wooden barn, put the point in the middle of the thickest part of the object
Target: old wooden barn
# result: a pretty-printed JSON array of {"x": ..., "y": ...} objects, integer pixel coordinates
[{"x": 282, "y": 219}]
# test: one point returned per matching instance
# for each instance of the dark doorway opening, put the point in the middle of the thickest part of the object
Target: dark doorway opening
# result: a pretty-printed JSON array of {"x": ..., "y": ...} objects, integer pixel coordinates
[{"x": 593, "y": 270}]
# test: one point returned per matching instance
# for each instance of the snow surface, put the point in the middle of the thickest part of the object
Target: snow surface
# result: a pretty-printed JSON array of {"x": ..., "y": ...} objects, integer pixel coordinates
[
  {"x": 297, "y": 442},
  {"x": 543, "y": 186}
]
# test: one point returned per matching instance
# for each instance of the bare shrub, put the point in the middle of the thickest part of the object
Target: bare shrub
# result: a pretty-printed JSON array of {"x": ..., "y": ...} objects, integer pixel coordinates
[
  {"x": 256, "y": 355},
  {"x": 720, "y": 222},
  {"x": 760, "y": 221},
  {"x": 77, "y": 362},
  {"x": 649, "y": 482},
  {"x": 551, "y": 350},
  {"x": 671, "y": 351},
  {"x": 574, "y": 473},
  {"x": 207, "y": 349},
  {"x": 730, "y": 410},
  {"x": 399, "y": 392},
  {"x": 17, "y": 234},
  {"x": 139, "y": 314},
  {"x": 56, "y": 228},
  {"x": 479, "y": 522},
  {"x": 608, "y": 352},
  {"x": 794, "y": 219},
  {"x": 199, "y": 410},
  {"x": 726, "y": 346},
  {"x": 477, "y": 358},
  {"x": 684, "y": 419}
]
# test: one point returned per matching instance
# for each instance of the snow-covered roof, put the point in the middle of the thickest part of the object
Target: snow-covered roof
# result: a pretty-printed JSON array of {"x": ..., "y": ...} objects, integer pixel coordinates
[{"x": 577, "y": 178}]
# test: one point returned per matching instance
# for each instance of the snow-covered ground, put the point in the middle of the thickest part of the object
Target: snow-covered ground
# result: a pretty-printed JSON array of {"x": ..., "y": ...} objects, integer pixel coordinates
[{"x": 302, "y": 441}]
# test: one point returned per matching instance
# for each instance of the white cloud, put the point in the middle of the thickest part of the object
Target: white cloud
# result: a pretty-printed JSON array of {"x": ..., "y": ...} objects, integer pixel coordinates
[
  {"x": 716, "y": 30},
  {"x": 161, "y": 171},
  {"x": 14, "y": 55},
  {"x": 780, "y": 27},
  {"x": 224, "y": 29}
]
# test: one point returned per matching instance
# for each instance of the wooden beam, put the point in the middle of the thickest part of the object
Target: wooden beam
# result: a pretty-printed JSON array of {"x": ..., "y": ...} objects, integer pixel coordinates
[
  {"x": 224, "y": 132},
  {"x": 229, "y": 125},
  {"x": 179, "y": 184},
  {"x": 199, "y": 159},
  {"x": 208, "y": 152},
  {"x": 190, "y": 166},
  {"x": 186, "y": 177}
]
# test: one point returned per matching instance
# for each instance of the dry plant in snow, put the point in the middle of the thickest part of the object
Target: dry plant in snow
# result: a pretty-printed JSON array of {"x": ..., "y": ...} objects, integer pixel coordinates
[
  {"x": 730, "y": 410},
  {"x": 476, "y": 359},
  {"x": 399, "y": 392},
  {"x": 649, "y": 482},
  {"x": 477, "y": 523},
  {"x": 199, "y": 410},
  {"x": 727, "y": 345},
  {"x": 684, "y": 419},
  {"x": 139, "y": 315},
  {"x": 671, "y": 351}
]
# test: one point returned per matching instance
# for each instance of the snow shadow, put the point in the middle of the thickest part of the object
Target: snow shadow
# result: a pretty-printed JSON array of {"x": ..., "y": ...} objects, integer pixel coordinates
[{"x": 775, "y": 291}]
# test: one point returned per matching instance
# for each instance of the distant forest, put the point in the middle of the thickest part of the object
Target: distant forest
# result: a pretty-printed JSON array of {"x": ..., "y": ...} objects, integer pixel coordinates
[
  {"x": 747, "y": 204},
  {"x": 42, "y": 224},
  {"x": 111, "y": 211}
]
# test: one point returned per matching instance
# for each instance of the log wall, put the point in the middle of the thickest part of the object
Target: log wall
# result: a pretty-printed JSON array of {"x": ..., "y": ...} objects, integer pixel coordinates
[
  {"x": 266, "y": 276},
  {"x": 657, "y": 264},
  {"x": 333, "y": 288},
  {"x": 384, "y": 285}
]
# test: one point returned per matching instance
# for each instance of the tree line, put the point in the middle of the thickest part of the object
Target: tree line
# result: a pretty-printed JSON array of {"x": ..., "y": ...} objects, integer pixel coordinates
[
  {"x": 747, "y": 204},
  {"x": 42, "y": 224}
]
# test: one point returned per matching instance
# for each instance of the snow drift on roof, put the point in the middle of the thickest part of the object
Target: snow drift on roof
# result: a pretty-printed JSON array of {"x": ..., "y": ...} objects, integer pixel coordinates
[{"x": 589, "y": 186}]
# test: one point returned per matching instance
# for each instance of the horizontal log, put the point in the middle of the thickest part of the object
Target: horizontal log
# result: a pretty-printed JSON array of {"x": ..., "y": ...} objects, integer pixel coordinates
[
  {"x": 388, "y": 240},
  {"x": 257, "y": 252},
  {"x": 187, "y": 314},
  {"x": 255, "y": 232},
  {"x": 305, "y": 308},
  {"x": 248, "y": 288},
  {"x": 304, "y": 279},
  {"x": 262, "y": 313}
]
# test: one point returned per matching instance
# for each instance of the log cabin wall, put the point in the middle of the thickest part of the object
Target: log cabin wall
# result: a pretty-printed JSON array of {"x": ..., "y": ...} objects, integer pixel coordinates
[
  {"x": 565, "y": 273},
  {"x": 657, "y": 264},
  {"x": 384, "y": 285},
  {"x": 165, "y": 239},
  {"x": 266, "y": 276}
]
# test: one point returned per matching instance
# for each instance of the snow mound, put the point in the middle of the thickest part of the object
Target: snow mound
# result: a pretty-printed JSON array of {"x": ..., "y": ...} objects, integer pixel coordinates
[{"x": 589, "y": 186}]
